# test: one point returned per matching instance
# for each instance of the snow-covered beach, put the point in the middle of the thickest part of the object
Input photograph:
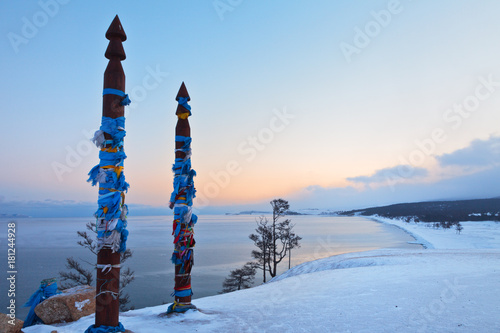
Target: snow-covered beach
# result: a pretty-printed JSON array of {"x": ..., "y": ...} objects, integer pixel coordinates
[{"x": 452, "y": 286}]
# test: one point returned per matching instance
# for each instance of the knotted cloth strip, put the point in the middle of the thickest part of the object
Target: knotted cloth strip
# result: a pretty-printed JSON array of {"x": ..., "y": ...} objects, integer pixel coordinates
[
  {"x": 47, "y": 289},
  {"x": 184, "y": 102},
  {"x": 110, "y": 91},
  {"x": 180, "y": 307},
  {"x": 112, "y": 212},
  {"x": 107, "y": 268},
  {"x": 105, "y": 329}
]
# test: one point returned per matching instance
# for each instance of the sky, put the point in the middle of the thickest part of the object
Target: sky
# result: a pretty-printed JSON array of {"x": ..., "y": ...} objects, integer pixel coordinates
[{"x": 328, "y": 104}]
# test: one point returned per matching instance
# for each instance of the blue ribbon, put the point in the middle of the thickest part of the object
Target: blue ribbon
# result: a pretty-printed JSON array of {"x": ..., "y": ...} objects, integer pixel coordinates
[
  {"x": 109, "y": 158},
  {"x": 185, "y": 139},
  {"x": 183, "y": 293},
  {"x": 110, "y": 91},
  {"x": 123, "y": 244},
  {"x": 111, "y": 201},
  {"x": 105, "y": 329},
  {"x": 184, "y": 102},
  {"x": 183, "y": 174},
  {"x": 45, "y": 291},
  {"x": 112, "y": 127}
]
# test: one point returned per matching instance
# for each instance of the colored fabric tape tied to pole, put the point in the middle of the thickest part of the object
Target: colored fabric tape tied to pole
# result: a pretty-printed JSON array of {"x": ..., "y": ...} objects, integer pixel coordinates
[
  {"x": 183, "y": 101},
  {"x": 180, "y": 307},
  {"x": 112, "y": 211},
  {"x": 110, "y": 91},
  {"x": 183, "y": 293},
  {"x": 105, "y": 329}
]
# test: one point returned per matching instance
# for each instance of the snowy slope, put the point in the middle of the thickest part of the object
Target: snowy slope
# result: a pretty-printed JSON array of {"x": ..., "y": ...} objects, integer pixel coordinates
[{"x": 393, "y": 290}]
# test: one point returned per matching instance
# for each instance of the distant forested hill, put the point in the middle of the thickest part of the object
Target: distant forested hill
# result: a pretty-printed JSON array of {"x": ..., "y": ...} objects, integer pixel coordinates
[{"x": 438, "y": 211}]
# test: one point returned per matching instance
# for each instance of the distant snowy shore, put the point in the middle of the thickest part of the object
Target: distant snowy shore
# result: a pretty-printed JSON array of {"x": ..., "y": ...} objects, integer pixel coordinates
[
  {"x": 475, "y": 235},
  {"x": 452, "y": 286}
]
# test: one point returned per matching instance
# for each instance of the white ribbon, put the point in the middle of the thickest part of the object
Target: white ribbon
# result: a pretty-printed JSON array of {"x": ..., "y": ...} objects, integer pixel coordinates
[
  {"x": 98, "y": 139},
  {"x": 107, "y": 267}
]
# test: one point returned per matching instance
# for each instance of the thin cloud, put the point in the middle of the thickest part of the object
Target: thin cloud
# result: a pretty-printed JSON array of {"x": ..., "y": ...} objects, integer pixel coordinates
[
  {"x": 402, "y": 172},
  {"x": 483, "y": 184},
  {"x": 480, "y": 153},
  {"x": 479, "y": 162}
]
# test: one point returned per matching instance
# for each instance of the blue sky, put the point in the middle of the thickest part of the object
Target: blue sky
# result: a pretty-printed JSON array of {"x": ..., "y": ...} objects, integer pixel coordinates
[{"x": 329, "y": 104}]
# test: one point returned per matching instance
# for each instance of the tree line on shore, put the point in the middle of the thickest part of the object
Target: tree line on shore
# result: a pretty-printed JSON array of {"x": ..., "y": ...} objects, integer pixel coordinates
[{"x": 437, "y": 211}]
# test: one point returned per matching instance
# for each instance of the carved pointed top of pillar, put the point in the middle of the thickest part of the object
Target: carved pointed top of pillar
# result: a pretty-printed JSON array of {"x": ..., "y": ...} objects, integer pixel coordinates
[
  {"x": 181, "y": 108},
  {"x": 116, "y": 36},
  {"x": 116, "y": 29},
  {"x": 182, "y": 92}
]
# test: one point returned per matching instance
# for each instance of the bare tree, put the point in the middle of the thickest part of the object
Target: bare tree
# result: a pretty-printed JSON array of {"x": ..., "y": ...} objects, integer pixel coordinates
[
  {"x": 78, "y": 275},
  {"x": 274, "y": 240},
  {"x": 262, "y": 239},
  {"x": 241, "y": 278},
  {"x": 283, "y": 238}
]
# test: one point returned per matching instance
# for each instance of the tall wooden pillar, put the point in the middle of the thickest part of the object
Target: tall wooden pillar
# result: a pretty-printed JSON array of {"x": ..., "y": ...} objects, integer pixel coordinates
[
  {"x": 111, "y": 216},
  {"x": 181, "y": 201}
]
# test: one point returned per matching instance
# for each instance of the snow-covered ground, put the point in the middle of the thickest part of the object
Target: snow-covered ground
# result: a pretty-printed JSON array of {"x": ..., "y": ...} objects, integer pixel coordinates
[{"x": 452, "y": 286}]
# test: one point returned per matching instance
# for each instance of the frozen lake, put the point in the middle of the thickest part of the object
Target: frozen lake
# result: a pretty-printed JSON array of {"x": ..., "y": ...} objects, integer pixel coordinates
[{"x": 222, "y": 244}]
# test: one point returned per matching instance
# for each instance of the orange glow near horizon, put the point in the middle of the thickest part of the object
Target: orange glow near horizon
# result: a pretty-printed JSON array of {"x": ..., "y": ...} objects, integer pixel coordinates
[{"x": 216, "y": 189}]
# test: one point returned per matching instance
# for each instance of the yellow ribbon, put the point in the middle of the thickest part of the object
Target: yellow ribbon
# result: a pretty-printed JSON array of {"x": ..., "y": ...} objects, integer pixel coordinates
[
  {"x": 110, "y": 149},
  {"x": 179, "y": 303},
  {"x": 118, "y": 169}
]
